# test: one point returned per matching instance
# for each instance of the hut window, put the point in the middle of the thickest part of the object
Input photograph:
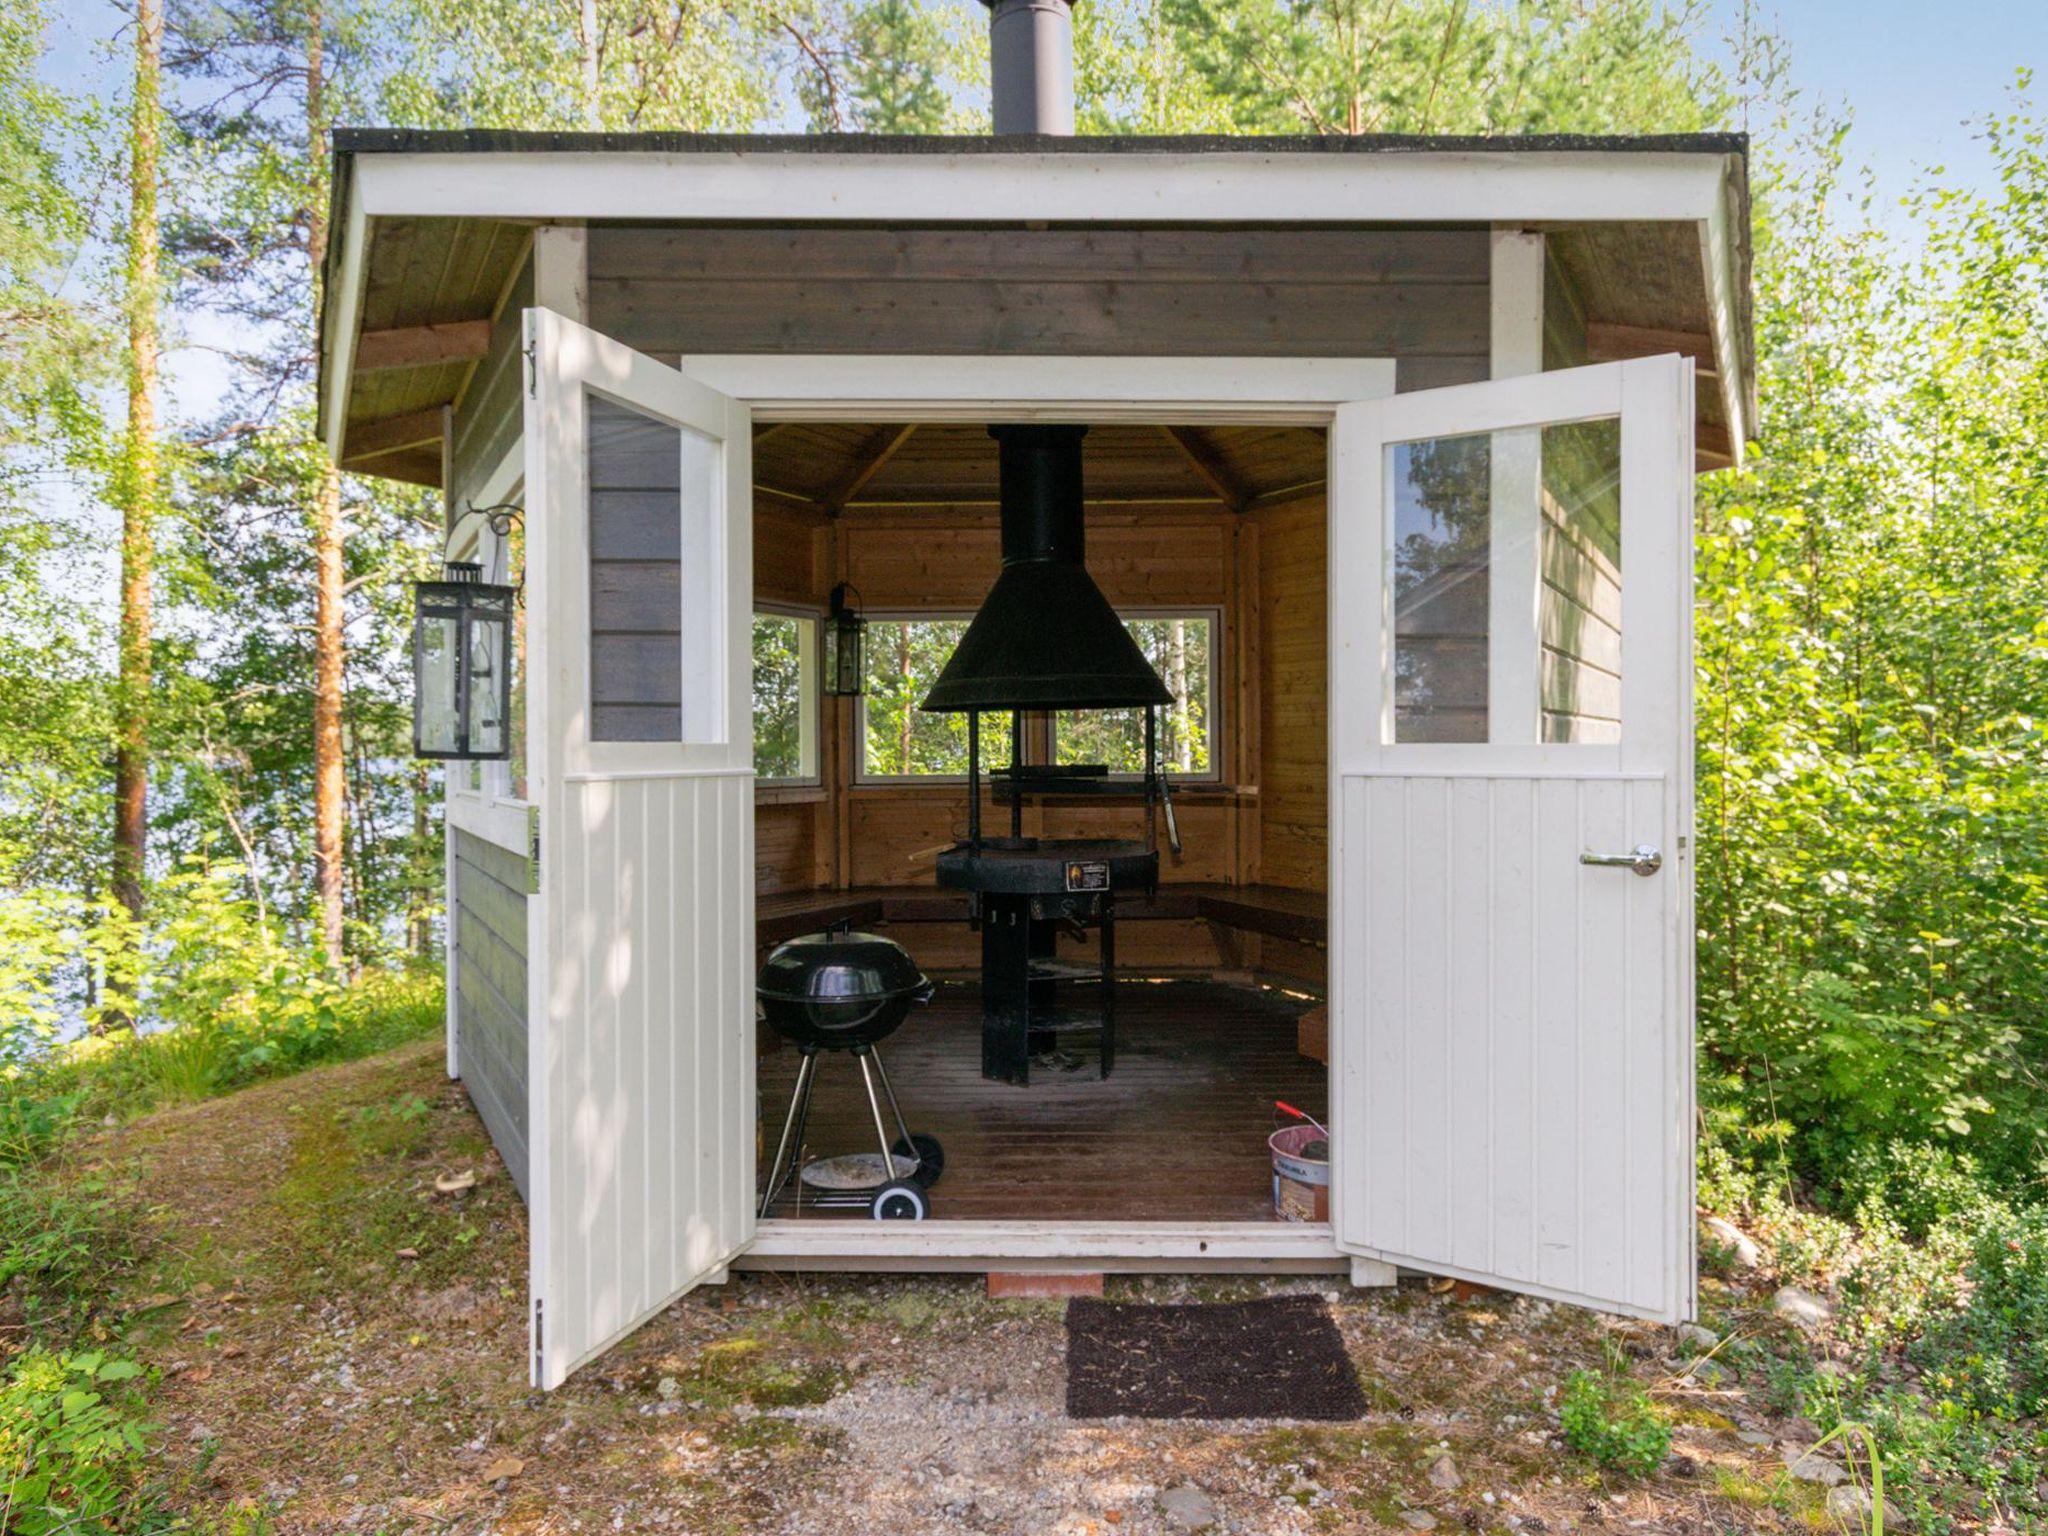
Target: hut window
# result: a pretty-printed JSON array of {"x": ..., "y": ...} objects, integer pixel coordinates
[
  {"x": 785, "y": 697},
  {"x": 897, "y": 739},
  {"x": 1182, "y": 648}
]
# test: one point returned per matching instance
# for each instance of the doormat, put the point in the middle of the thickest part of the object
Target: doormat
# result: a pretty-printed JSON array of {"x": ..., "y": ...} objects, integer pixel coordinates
[{"x": 1278, "y": 1358}]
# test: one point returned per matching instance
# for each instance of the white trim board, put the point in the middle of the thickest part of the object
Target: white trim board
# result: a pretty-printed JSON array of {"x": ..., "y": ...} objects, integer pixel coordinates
[
  {"x": 785, "y": 1242},
  {"x": 1428, "y": 186},
  {"x": 893, "y": 388}
]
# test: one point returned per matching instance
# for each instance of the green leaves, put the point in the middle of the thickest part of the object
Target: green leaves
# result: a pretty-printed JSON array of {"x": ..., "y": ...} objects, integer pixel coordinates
[{"x": 1873, "y": 778}]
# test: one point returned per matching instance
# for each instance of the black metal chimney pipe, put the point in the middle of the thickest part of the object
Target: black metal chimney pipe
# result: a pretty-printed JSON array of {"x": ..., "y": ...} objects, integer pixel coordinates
[{"x": 1031, "y": 65}]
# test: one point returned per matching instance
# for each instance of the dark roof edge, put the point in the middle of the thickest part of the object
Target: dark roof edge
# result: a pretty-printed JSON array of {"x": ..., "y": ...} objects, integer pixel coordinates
[{"x": 423, "y": 141}]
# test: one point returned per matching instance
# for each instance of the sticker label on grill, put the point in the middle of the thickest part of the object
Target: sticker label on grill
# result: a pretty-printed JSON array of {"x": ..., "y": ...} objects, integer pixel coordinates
[{"x": 1087, "y": 875}]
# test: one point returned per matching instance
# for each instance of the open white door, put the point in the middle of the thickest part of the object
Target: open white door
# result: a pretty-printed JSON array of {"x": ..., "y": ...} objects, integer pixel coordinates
[
  {"x": 640, "y": 1076},
  {"x": 1511, "y": 833}
]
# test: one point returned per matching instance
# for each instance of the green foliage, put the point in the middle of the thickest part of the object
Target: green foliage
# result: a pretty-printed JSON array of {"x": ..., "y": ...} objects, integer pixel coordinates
[
  {"x": 1613, "y": 1423},
  {"x": 64, "y": 1243},
  {"x": 73, "y": 1447},
  {"x": 779, "y": 646},
  {"x": 1873, "y": 666},
  {"x": 1995, "y": 1345},
  {"x": 904, "y": 659}
]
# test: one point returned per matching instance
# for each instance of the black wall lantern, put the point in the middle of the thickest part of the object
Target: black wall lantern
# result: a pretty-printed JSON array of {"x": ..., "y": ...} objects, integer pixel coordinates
[
  {"x": 845, "y": 645},
  {"x": 462, "y": 665}
]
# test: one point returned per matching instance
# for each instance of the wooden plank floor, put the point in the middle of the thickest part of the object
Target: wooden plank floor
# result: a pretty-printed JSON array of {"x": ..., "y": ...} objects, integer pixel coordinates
[{"x": 1176, "y": 1133}]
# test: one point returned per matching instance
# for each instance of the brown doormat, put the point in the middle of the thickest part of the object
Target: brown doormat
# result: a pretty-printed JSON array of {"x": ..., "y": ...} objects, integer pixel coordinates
[{"x": 1279, "y": 1358}]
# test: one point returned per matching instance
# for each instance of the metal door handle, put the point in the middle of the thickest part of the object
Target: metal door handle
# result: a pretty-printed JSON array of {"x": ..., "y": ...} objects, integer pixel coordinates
[{"x": 1645, "y": 860}]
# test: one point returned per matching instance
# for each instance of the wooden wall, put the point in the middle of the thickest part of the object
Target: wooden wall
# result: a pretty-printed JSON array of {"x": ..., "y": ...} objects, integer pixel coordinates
[
  {"x": 1418, "y": 295},
  {"x": 1294, "y": 844},
  {"x": 1261, "y": 821}
]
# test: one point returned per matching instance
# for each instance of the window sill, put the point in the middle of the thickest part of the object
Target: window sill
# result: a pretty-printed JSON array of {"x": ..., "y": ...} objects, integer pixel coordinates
[{"x": 788, "y": 794}]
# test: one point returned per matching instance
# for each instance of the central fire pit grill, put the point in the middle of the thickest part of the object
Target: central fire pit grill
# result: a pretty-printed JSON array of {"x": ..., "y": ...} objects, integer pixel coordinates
[{"x": 1046, "y": 638}]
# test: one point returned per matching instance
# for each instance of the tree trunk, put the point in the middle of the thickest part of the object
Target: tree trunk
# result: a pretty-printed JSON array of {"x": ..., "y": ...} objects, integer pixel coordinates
[
  {"x": 1182, "y": 712},
  {"x": 903, "y": 730},
  {"x": 140, "y": 468},
  {"x": 422, "y": 922},
  {"x": 329, "y": 787}
]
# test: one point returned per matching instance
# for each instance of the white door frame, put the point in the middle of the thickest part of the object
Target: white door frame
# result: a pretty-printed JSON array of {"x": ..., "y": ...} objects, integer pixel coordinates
[{"x": 1186, "y": 390}]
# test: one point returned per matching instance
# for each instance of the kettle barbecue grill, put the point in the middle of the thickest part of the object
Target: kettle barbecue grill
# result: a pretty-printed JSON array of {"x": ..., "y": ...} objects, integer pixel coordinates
[{"x": 847, "y": 991}]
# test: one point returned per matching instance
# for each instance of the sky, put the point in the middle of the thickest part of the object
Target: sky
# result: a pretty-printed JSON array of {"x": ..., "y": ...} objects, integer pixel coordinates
[{"x": 1912, "y": 72}]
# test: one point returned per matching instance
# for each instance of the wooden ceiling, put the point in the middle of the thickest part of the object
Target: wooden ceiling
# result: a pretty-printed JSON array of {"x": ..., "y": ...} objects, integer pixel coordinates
[{"x": 839, "y": 469}]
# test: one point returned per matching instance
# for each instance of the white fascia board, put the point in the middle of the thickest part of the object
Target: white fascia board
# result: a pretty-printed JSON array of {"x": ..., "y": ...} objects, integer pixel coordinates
[
  {"x": 1720, "y": 258},
  {"x": 1405, "y": 186},
  {"x": 344, "y": 304}
]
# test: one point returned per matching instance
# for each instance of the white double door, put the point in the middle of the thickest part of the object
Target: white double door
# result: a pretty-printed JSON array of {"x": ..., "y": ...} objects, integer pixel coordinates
[{"x": 1510, "y": 618}]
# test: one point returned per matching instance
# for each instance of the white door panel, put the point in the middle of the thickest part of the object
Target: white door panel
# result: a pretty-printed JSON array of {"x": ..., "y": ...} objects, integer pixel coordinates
[
  {"x": 1512, "y": 1027},
  {"x": 640, "y": 1073}
]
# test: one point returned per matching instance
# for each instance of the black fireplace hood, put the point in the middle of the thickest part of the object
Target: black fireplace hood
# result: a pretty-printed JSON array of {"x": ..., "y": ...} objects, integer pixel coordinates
[{"x": 1046, "y": 637}]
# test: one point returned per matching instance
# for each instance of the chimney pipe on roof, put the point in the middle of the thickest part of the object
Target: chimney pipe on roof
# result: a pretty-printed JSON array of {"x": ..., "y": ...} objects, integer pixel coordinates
[{"x": 1031, "y": 65}]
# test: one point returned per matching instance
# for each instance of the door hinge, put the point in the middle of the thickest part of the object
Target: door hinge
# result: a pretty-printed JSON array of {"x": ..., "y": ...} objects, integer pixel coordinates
[
  {"x": 533, "y": 850},
  {"x": 539, "y": 1340},
  {"x": 532, "y": 369}
]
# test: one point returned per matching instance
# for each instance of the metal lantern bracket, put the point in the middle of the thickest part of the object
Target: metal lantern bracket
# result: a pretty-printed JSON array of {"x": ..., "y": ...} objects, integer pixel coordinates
[{"x": 501, "y": 518}]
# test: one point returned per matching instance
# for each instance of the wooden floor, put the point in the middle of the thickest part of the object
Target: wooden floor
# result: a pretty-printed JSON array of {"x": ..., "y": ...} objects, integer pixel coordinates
[{"x": 1176, "y": 1133}]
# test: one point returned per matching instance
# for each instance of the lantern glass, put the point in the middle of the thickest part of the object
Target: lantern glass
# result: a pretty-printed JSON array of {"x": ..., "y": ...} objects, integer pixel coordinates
[
  {"x": 462, "y": 632},
  {"x": 845, "y": 669}
]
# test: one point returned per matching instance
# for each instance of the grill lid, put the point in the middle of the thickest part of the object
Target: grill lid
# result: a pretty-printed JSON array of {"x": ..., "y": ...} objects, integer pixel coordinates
[
  {"x": 1045, "y": 636},
  {"x": 838, "y": 968}
]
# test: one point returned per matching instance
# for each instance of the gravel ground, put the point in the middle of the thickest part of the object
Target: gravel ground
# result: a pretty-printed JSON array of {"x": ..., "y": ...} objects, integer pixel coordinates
[{"x": 342, "y": 1350}]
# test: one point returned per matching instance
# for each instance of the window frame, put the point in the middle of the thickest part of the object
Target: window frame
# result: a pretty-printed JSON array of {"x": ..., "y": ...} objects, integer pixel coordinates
[
  {"x": 810, "y": 695},
  {"x": 1218, "y": 693}
]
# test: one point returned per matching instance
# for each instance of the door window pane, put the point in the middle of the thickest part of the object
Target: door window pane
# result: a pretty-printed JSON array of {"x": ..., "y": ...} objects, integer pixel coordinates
[
  {"x": 1506, "y": 558},
  {"x": 1443, "y": 535},
  {"x": 655, "y": 594},
  {"x": 1579, "y": 610}
]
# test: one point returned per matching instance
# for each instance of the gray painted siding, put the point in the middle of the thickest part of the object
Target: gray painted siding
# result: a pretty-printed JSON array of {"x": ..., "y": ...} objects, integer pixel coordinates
[
  {"x": 1418, "y": 295},
  {"x": 636, "y": 576},
  {"x": 490, "y": 990},
  {"x": 489, "y": 419}
]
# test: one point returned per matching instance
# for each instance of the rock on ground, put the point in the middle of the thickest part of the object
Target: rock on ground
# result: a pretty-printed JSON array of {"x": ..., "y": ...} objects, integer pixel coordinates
[
  {"x": 1725, "y": 1234},
  {"x": 1801, "y": 1306},
  {"x": 1187, "y": 1508}
]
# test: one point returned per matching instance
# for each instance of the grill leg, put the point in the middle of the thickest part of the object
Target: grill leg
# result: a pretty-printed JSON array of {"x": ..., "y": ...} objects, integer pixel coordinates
[
  {"x": 889, "y": 1093},
  {"x": 799, "y": 1107},
  {"x": 867, "y": 1077}
]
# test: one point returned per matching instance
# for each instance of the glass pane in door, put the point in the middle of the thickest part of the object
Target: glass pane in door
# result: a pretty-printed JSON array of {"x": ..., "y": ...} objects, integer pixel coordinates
[
  {"x": 1579, "y": 603},
  {"x": 654, "y": 597},
  {"x": 1505, "y": 550},
  {"x": 1442, "y": 509}
]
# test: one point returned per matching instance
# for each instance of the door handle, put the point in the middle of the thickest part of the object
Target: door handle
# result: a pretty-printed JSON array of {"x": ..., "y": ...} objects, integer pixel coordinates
[{"x": 1644, "y": 859}]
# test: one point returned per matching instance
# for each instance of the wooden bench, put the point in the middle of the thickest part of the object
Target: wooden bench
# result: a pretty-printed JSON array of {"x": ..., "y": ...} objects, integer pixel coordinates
[{"x": 1278, "y": 911}]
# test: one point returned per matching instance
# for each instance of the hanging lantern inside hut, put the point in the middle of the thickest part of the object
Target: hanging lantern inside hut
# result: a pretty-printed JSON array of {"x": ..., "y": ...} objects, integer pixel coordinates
[
  {"x": 845, "y": 646},
  {"x": 461, "y": 663}
]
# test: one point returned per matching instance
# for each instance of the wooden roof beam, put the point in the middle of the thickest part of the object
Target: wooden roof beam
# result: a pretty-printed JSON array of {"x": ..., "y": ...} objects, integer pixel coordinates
[
  {"x": 417, "y": 346},
  {"x": 392, "y": 434},
  {"x": 1608, "y": 343},
  {"x": 1208, "y": 468},
  {"x": 880, "y": 449}
]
